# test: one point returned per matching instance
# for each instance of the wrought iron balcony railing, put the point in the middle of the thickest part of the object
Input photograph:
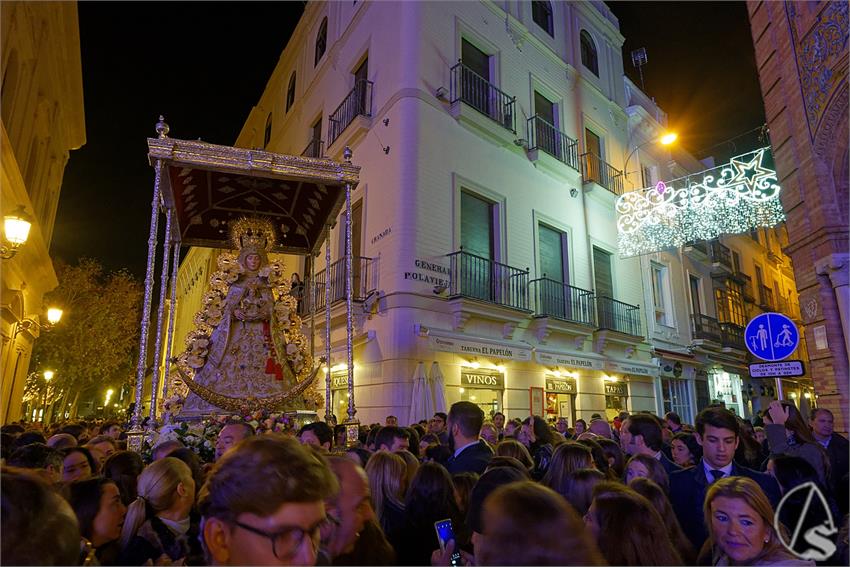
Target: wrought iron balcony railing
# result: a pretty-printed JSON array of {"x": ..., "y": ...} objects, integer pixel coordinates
[
  {"x": 563, "y": 301},
  {"x": 471, "y": 88},
  {"x": 593, "y": 168},
  {"x": 721, "y": 254},
  {"x": 732, "y": 335},
  {"x": 705, "y": 327},
  {"x": 544, "y": 136},
  {"x": 358, "y": 102},
  {"x": 479, "y": 278},
  {"x": 361, "y": 284},
  {"x": 618, "y": 316},
  {"x": 315, "y": 149}
]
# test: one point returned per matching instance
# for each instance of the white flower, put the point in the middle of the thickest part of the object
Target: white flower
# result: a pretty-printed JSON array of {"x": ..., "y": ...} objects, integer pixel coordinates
[{"x": 291, "y": 349}]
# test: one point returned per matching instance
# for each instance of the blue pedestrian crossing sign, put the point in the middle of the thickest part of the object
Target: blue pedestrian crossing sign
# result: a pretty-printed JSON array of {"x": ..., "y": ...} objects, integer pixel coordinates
[{"x": 772, "y": 336}]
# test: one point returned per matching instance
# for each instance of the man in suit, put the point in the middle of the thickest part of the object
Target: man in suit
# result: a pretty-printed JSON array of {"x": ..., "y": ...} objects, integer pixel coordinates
[
  {"x": 717, "y": 432},
  {"x": 640, "y": 434},
  {"x": 471, "y": 454},
  {"x": 838, "y": 450}
]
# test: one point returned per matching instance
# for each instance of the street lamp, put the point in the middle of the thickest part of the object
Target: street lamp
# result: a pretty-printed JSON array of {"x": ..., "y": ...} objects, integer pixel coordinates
[
  {"x": 48, "y": 376},
  {"x": 665, "y": 140},
  {"x": 54, "y": 315},
  {"x": 16, "y": 226}
]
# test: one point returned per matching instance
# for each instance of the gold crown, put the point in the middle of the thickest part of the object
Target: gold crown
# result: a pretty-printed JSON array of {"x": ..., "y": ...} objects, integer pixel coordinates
[{"x": 254, "y": 232}]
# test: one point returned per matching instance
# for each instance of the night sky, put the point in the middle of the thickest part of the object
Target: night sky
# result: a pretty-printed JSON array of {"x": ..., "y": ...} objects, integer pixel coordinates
[{"x": 204, "y": 65}]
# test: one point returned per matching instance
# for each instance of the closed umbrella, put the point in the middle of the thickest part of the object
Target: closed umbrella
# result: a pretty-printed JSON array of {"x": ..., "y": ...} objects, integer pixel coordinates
[
  {"x": 438, "y": 387},
  {"x": 421, "y": 404}
]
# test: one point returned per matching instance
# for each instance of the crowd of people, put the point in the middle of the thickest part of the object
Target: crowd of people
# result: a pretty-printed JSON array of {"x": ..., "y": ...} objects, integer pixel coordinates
[{"x": 639, "y": 490}]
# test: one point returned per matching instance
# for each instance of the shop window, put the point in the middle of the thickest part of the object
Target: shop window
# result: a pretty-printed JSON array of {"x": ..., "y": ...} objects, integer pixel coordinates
[{"x": 589, "y": 57}]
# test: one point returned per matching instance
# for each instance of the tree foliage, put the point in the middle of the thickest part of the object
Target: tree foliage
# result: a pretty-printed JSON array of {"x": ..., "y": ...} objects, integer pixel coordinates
[{"x": 97, "y": 341}]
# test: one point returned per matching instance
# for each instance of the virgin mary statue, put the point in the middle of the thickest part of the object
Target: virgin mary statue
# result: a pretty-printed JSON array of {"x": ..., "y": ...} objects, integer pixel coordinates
[{"x": 247, "y": 351}]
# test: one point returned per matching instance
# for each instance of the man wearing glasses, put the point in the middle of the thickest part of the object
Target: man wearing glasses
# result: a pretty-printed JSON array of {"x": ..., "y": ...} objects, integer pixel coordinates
[{"x": 264, "y": 504}]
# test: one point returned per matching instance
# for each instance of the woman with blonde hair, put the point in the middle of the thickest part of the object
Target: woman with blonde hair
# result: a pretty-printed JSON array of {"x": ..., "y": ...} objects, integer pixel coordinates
[
  {"x": 387, "y": 473},
  {"x": 515, "y": 449},
  {"x": 412, "y": 466},
  {"x": 157, "y": 521},
  {"x": 739, "y": 518}
]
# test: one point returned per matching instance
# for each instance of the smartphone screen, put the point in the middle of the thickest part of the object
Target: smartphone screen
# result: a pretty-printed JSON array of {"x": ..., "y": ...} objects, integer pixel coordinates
[{"x": 444, "y": 534}]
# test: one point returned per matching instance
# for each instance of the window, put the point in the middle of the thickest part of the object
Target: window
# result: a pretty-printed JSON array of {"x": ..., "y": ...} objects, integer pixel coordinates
[
  {"x": 476, "y": 276},
  {"x": 696, "y": 303},
  {"x": 545, "y": 127},
  {"x": 646, "y": 176},
  {"x": 476, "y": 225},
  {"x": 541, "y": 13},
  {"x": 661, "y": 295},
  {"x": 730, "y": 304},
  {"x": 602, "y": 278},
  {"x": 736, "y": 262},
  {"x": 554, "y": 298},
  {"x": 321, "y": 41},
  {"x": 290, "y": 92},
  {"x": 267, "y": 135},
  {"x": 475, "y": 59},
  {"x": 588, "y": 53},
  {"x": 552, "y": 253}
]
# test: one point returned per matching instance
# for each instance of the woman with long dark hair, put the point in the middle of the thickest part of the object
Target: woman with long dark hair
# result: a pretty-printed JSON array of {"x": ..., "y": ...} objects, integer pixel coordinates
[
  {"x": 540, "y": 442},
  {"x": 97, "y": 504},
  {"x": 429, "y": 499},
  {"x": 788, "y": 434},
  {"x": 628, "y": 529},
  {"x": 659, "y": 500}
]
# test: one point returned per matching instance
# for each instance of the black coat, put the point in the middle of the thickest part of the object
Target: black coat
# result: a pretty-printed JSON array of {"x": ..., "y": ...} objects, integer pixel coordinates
[
  {"x": 839, "y": 463},
  {"x": 669, "y": 465},
  {"x": 474, "y": 458},
  {"x": 687, "y": 495}
]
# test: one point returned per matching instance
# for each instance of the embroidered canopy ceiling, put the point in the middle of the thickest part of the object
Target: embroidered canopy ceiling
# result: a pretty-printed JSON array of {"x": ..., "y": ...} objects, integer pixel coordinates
[{"x": 209, "y": 186}]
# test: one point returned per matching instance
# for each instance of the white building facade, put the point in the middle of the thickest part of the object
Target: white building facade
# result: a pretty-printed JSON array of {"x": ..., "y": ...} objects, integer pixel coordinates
[{"x": 491, "y": 138}]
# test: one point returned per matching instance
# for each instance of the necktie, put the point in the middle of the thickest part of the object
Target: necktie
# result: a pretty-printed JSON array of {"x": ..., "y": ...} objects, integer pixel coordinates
[{"x": 717, "y": 474}]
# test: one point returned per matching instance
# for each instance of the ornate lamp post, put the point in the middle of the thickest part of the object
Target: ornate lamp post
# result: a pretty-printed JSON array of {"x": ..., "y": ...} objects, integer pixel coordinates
[
  {"x": 48, "y": 376},
  {"x": 16, "y": 226}
]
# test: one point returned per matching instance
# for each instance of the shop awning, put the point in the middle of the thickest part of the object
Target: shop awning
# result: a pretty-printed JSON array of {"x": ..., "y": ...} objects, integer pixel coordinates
[{"x": 210, "y": 185}]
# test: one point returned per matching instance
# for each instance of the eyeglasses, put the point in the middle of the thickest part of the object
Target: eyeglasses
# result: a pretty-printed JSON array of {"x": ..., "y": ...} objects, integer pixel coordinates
[{"x": 287, "y": 541}]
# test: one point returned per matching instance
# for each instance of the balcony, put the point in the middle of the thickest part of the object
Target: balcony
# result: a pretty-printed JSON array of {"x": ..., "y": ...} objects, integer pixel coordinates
[
  {"x": 475, "y": 277},
  {"x": 544, "y": 136},
  {"x": 721, "y": 257},
  {"x": 361, "y": 284},
  {"x": 315, "y": 149},
  {"x": 594, "y": 169},
  {"x": 358, "y": 102},
  {"x": 697, "y": 251},
  {"x": 562, "y": 301},
  {"x": 705, "y": 327},
  {"x": 618, "y": 316},
  {"x": 732, "y": 336},
  {"x": 472, "y": 89},
  {"x": 766, "y": 302}
]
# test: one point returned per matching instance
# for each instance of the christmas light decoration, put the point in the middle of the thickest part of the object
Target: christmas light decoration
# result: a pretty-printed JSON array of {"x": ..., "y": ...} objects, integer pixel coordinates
[{"x": 733, "y": 198}]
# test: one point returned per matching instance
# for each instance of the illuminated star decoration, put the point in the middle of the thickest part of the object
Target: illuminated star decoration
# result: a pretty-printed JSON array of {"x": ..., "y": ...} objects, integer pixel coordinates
[{"x": 732, "y": 198}]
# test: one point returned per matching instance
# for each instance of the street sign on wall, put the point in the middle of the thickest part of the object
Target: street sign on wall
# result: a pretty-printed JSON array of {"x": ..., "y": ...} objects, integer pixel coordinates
[
  {"x": 772, "y": 336},
  {"x": 786, "y": 368}
]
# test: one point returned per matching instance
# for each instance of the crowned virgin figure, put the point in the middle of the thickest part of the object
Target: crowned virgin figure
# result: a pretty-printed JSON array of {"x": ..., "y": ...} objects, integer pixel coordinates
[{"x": 247, "y": 351}]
